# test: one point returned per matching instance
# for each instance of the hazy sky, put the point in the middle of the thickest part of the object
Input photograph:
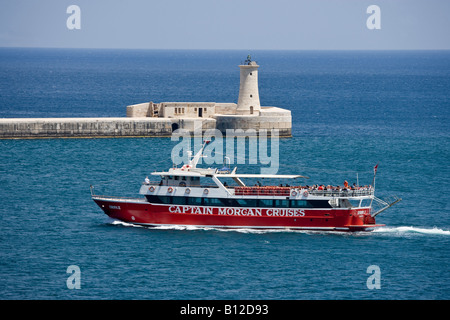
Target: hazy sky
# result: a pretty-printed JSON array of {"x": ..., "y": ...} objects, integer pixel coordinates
[{"x": 226, "y": 24}]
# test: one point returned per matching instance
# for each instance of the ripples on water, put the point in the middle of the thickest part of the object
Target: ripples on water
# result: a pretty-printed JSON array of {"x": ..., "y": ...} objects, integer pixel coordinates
[
  {"x": 394, "y": 231},
  {"x": 350, "y": 110}
]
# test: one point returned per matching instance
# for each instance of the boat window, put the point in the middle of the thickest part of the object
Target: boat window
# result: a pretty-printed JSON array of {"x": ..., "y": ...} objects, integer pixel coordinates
[
  {"x": 265, "y": 203},
  {"x": 212, "y": 202},
  {"x": 220, "y": 202},
  {"x": 179, "y": 200},
  {"x": 247, "y": 202},
  {"x": 300, "y": 204},
  {"x": 229, "y": 202},
  {"x": 278, "y": 203},
  {"x": 354, "y": 203},
  {"x": 318, "y": 204},
  {"x": 194, "y": 201},
  {"x": 159, "y": 199},
  {"x": 153, "y": 199},
  {"x": 365, "y": 203}
]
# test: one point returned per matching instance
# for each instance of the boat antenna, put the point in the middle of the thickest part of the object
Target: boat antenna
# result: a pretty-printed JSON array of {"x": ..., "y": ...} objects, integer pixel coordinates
[{"x": 374, "y": 174}]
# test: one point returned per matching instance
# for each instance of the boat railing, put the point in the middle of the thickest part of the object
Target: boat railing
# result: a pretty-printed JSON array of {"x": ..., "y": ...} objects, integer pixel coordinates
[
  {"x": 262, "y": 191},
  {"x": 283, "y": 191},
  {"x": 151, "y": 183},
  {"x": 340, "y": 193},
  {"x": 179, "y": 184},
  {"x": 288, "y": 191}
]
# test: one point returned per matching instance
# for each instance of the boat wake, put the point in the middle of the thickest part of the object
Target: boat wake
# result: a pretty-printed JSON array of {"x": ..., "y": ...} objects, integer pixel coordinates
[
  {"x": 412, "y": 230},
  {"x": 178, "y": 227},
  {"x": 395, "y": 231}
]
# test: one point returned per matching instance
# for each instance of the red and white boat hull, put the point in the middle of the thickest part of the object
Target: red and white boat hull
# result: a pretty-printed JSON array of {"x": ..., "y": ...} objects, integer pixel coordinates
[{"x": 139, "y": 211}]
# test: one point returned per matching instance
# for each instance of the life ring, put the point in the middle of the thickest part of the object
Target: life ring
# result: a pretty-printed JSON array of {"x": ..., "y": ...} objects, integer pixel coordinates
[
  {"x": 186, "y": 166},
  {"x": 206, "y": 191},
  {"x": 151, "y": 189},
  {"x": 293, "y": 193},
  {"x": 170, "y": 190},
  {"x": 188, "y": 190},
  {"x": 305, "y": 194}
]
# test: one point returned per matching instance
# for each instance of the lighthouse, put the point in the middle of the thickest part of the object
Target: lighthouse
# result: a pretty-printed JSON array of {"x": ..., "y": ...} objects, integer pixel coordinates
[
  {"x": 246, "y": 117},
  {"x": 248, "y": 102}
]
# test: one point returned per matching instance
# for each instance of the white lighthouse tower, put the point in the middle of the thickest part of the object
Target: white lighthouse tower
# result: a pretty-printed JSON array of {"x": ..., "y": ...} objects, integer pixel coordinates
[
  {"x": 248, "y": 102},
  {"x": 247, "y": 114}
]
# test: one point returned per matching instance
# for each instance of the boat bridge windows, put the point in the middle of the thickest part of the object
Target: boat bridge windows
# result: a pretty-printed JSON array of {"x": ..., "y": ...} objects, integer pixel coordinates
[{"x": 180, "y": 181}]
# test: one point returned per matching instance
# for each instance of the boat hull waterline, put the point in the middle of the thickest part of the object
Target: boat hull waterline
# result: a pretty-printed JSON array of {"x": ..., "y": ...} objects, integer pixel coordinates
[{"x": 139, "y": 211}]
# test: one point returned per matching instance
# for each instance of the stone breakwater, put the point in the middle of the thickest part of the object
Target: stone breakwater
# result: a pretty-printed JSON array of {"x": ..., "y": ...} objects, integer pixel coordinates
[
  {"x": 29, "y": 128},
  {"x": 84, "y": 127}
]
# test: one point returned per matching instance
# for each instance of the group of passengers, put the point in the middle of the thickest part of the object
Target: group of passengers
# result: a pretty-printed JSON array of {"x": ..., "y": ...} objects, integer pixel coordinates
[
  {"x": 323, "y": 187},
  {"x": 346, "y": 187}
]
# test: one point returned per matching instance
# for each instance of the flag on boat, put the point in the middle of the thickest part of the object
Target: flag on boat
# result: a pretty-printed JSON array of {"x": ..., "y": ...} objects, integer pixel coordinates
[{"x": 375, "y": 169}]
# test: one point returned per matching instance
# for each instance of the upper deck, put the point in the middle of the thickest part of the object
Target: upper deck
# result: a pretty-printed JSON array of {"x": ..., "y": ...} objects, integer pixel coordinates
[
  {"x": 224, "y": 191},
  {"x": 189, "y": 181}
]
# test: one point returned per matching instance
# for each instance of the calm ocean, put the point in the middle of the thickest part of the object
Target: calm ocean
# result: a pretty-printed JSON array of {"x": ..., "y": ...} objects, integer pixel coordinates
[{"x": 350, "y": 109}]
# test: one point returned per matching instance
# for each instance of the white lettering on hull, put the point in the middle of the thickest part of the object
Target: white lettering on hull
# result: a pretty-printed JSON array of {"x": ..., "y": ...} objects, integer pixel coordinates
[
  {"x": 190, "y": 210},
  {"x": 238, "y": 211},
  {"x": 286, "y": 212}
]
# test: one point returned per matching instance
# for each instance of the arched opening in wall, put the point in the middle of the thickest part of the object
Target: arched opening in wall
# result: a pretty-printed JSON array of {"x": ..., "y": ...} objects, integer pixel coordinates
[
  {"x": 175, "y": 126},
  {"x": 251, "y": 110}
]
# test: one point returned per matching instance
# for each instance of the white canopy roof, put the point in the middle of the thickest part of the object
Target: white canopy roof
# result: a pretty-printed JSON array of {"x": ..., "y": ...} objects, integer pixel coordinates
[
  {"x": 205, "y": 173},
  {"x": 269, "y": 176}
]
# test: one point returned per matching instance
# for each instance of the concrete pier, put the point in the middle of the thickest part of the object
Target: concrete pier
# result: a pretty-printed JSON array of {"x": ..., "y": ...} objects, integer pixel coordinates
[
  {"x": 28, "y": 128},
  {"x": 40, "y": 128}
]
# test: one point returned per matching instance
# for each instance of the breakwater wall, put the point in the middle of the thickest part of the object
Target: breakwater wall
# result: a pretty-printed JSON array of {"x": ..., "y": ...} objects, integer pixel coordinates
[
  {"x": 36, "y": 128},
  {"x": 28, "y": 128}
]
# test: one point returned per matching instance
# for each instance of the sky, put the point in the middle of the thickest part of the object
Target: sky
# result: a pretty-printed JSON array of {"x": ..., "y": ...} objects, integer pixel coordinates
[{"x": 227, "y": 24}]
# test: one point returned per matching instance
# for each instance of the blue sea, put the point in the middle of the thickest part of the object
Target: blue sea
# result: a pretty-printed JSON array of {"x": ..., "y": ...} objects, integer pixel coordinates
[{"x": 350, "y": 111}]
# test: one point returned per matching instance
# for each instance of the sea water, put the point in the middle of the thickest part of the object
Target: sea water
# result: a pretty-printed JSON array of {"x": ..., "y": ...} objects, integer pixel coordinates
[{"x": 350, "y": 111}]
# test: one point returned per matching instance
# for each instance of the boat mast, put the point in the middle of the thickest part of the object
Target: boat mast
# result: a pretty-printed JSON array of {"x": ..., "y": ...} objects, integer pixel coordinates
[{"x": 193, "y": 163}]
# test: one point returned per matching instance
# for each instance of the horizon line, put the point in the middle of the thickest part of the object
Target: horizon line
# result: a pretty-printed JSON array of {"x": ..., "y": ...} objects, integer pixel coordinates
[{"x": 208, "y": 49}]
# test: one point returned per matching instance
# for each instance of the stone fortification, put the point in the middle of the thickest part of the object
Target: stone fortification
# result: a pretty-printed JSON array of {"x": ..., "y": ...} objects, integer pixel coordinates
[
  {"x": 151, "y": 119},
  {"x": 246, "y": 114}
]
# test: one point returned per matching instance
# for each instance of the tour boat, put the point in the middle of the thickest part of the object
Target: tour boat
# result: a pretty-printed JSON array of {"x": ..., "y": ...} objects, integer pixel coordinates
[{"x": 184, "y": 197}]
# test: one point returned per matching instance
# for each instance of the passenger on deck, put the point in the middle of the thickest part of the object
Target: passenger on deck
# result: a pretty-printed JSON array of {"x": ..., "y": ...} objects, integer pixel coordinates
[{"x": 147, "y": 180}]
